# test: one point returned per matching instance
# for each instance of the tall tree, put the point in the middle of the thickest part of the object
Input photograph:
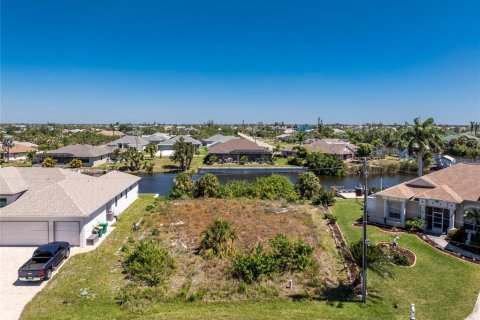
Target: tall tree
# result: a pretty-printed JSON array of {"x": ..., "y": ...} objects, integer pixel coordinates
[
  {"x": 421, "y": 138},
  {"x": 7, "y": 144},
  {"x": 151, "y": 148},
  {"x": 183, "y": 154}
]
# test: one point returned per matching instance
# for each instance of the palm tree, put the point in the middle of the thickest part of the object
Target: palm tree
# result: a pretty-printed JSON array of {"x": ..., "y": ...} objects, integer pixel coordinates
[
  {"x": 421, "y": 138},
  {"x": 75, "y": 163},
  {"x": 473, "y": 214},
  {"x": 151, "y": 148},
  {"x": 7, "y": 144},
  {"x": 30, "y": 155}
]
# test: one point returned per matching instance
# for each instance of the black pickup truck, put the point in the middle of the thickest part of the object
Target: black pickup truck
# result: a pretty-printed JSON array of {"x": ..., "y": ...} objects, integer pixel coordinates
[{"x": 44, "y": 260}]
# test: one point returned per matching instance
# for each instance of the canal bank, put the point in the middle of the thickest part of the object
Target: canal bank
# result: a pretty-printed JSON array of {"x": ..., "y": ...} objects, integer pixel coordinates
[{"x": 162, "y": 183}]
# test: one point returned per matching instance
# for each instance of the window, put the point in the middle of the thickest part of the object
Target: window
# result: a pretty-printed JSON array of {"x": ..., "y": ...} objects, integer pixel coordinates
[
  {"x": 115, "y": 201},
  {"x": 126, "y": 194},
  {"x": 394, "y": 210},
  {"x": 3, "y": 202}
]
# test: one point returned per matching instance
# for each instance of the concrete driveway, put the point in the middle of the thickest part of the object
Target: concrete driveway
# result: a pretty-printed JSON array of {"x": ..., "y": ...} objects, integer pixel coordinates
[{"x": 14, "y": 294}]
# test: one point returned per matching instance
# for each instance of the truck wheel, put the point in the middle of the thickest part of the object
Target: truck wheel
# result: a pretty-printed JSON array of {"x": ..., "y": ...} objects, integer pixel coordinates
[
  {"x": 49, "y": 274},
  {"x": 67, "y": 253}
]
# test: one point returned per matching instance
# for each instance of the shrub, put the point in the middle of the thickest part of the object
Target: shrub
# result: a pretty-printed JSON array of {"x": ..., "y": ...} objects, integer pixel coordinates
[
  {"x": 415, "y": 224},
  {"x": 330, "y": 217},
  {"x": 400, "y": 258},
  {"x": 324, "y": 198},
  {"x": 457, "y": 235},
  {"x": 75, "y": 163},
  {"x": 244, "y": 159},
  {"x": 377, "y": 261},
  {"x": 134, "y": 298},
  {"x": 49, "y": 162},
  {"x": 149, "y": 263},
  {"x": 274, "y": 187},
  {"x": 253, "y": 265},
  {"x": 308, "y": 185},
  {"x": 217, "y": 239},
  {"x": 294, "y": 161},
  {"x": 290, "y": 254},
  {"x": 212, "y": 158},
  {"x": 183, "y": 186},
  {"x": 235, "y": 189},
  {"x": 207, "y": 186},
  {"x": 326, "y": 164}
]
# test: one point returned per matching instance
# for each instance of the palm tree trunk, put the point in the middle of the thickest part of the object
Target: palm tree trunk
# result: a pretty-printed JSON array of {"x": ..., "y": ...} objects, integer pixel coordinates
[{"x": 420, "y": 162}]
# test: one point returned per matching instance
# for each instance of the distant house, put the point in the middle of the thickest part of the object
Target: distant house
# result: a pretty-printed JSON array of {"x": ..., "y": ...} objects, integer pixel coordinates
[
  {"x": 465, "y": 136},
  {"x": 111, "y": 133},
  {"x": 165, "y": 148},
  {"x": 285, "y": 137},
  {"x": 338, "y": 131},
  {"x": 233, "y": 150},
  {"x": 303, "y": 128},
  {"x": 19, "y": 150},
  {"x": 339, "y": 147},
  {"x": 218, "y": 138},
  {"x": 90, "y": 156},
  {"x": 126, "y": 142},
  {"x": 439, "y": 198}
]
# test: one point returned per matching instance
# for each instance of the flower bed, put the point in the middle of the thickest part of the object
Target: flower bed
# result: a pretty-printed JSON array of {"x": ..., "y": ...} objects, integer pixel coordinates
[{"x": 398, "y": 256}]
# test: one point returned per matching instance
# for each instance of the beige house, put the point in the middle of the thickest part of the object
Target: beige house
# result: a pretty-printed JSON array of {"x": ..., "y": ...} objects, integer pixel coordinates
[
  {"x": 440, "y": 198},
  {"x": 90, "y": 156}
]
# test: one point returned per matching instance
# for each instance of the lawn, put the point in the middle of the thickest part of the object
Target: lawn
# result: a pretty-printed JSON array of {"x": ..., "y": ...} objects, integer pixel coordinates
[
  {"x": 280, "y": 162},
  {"x": 441, "y": 286},
  {"x": 163, "y": 165},
  {"x": 456, "y": 283}
]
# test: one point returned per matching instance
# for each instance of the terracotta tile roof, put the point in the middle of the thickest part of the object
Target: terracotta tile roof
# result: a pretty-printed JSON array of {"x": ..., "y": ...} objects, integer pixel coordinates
[
  {"x": 19, "y": 148},
  {"x": 60, "y": 192},
  {"x": 236, "y": 146},
  {"x": 453, "y": 184}
]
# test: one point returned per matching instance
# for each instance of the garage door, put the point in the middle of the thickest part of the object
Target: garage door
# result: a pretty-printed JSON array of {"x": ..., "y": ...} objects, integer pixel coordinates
[
  {"x": 23, "y": 233},
  {"x": 67, "y": 231}
]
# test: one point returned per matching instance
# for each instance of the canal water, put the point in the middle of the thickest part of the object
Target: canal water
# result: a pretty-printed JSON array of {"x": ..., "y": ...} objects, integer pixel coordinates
[{"x": 162, "y": 183}]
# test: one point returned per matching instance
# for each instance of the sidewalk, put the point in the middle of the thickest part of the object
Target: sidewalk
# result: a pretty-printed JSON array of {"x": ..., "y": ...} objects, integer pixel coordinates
[{"x": 440, "y": 240}]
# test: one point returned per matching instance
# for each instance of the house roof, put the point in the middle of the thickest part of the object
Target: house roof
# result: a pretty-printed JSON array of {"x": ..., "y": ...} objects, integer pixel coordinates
[
  {"x": 81, "y": 151},
  {"x": 453, "y": 184},
  {"x": 130, "y": 140},
  {"x": 110, "y": 133},
  {"x": 187, "y": 139},
  {"x": 236, "y": 146},
  {"x": 60, "y": 192},
  {"x": 330, "y": 146},
  {"x": 19, "y": 148},
  {"x": 220, "y": 138}
]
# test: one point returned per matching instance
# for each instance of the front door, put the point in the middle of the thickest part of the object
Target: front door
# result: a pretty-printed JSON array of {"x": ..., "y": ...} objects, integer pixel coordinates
[{"x": 437, "y": 222}]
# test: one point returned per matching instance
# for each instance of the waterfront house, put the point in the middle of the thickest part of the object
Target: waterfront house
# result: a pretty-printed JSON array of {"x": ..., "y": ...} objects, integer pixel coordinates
[
  {"x": 90, "y": 156},
  {"x": 440, "y": 198},
  {"x": 234, "y": 150},
  {"x": 339, "y": 147},
  {"x": 19, "y": 150},
  {"x": 126, "y": 142},
  {"x": 165, "y": 148}
]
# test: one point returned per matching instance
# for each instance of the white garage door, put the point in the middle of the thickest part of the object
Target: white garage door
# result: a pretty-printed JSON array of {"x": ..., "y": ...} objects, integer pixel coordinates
[
  {"x": 67, "y": 231},
  {"x": 23, "y": 233}
]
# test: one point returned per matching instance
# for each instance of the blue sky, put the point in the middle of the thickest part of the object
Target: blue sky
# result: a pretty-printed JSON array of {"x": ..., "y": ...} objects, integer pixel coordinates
[{"x": 192, "y": 61}]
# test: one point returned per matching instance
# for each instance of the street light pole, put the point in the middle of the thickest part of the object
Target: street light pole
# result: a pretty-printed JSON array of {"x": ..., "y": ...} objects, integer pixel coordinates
[{"x": 364, "y": 240}]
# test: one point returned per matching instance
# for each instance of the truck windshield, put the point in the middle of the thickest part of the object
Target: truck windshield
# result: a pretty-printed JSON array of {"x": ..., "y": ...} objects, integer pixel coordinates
[{"x": 42, "y": 254}]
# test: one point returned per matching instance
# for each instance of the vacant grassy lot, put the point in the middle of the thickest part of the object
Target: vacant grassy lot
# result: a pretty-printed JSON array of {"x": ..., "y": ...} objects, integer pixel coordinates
[{"x": 442, "y": 287}]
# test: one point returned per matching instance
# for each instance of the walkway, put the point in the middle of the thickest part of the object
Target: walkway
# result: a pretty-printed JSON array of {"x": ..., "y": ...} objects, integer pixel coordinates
[
  {"x": 259, "y": 143},
  {"x": 440, "y": 240},
  {"x": 475, "y": 315}
]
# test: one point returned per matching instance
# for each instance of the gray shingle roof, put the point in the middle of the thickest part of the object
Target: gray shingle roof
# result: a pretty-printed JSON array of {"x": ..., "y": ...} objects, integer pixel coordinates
[
  {"x": 59, "y": 192},
  {"x": 220, "y": 138},
  {"x": 187, "y": 139},
  {"x": 82, "y": 151},
  {"x": 130, "y": 140}
]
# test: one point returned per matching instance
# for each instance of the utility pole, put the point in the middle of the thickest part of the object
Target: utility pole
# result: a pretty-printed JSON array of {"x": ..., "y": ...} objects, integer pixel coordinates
[{"x": 364, "y": 240}]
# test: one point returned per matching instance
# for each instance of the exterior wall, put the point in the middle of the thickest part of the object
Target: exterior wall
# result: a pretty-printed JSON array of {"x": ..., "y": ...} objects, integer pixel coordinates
[
  {"x": 20, "y": 156},
  {"x": 93, "y": 162},
  {"x": 100, "y": 215}
]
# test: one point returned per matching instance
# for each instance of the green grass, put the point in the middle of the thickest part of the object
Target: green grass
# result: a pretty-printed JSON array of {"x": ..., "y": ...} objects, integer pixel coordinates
[
  {"x": 280, "y": 162},
  {"x": 441, "y": 286},
  {"x": 163, "y": 165}
]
